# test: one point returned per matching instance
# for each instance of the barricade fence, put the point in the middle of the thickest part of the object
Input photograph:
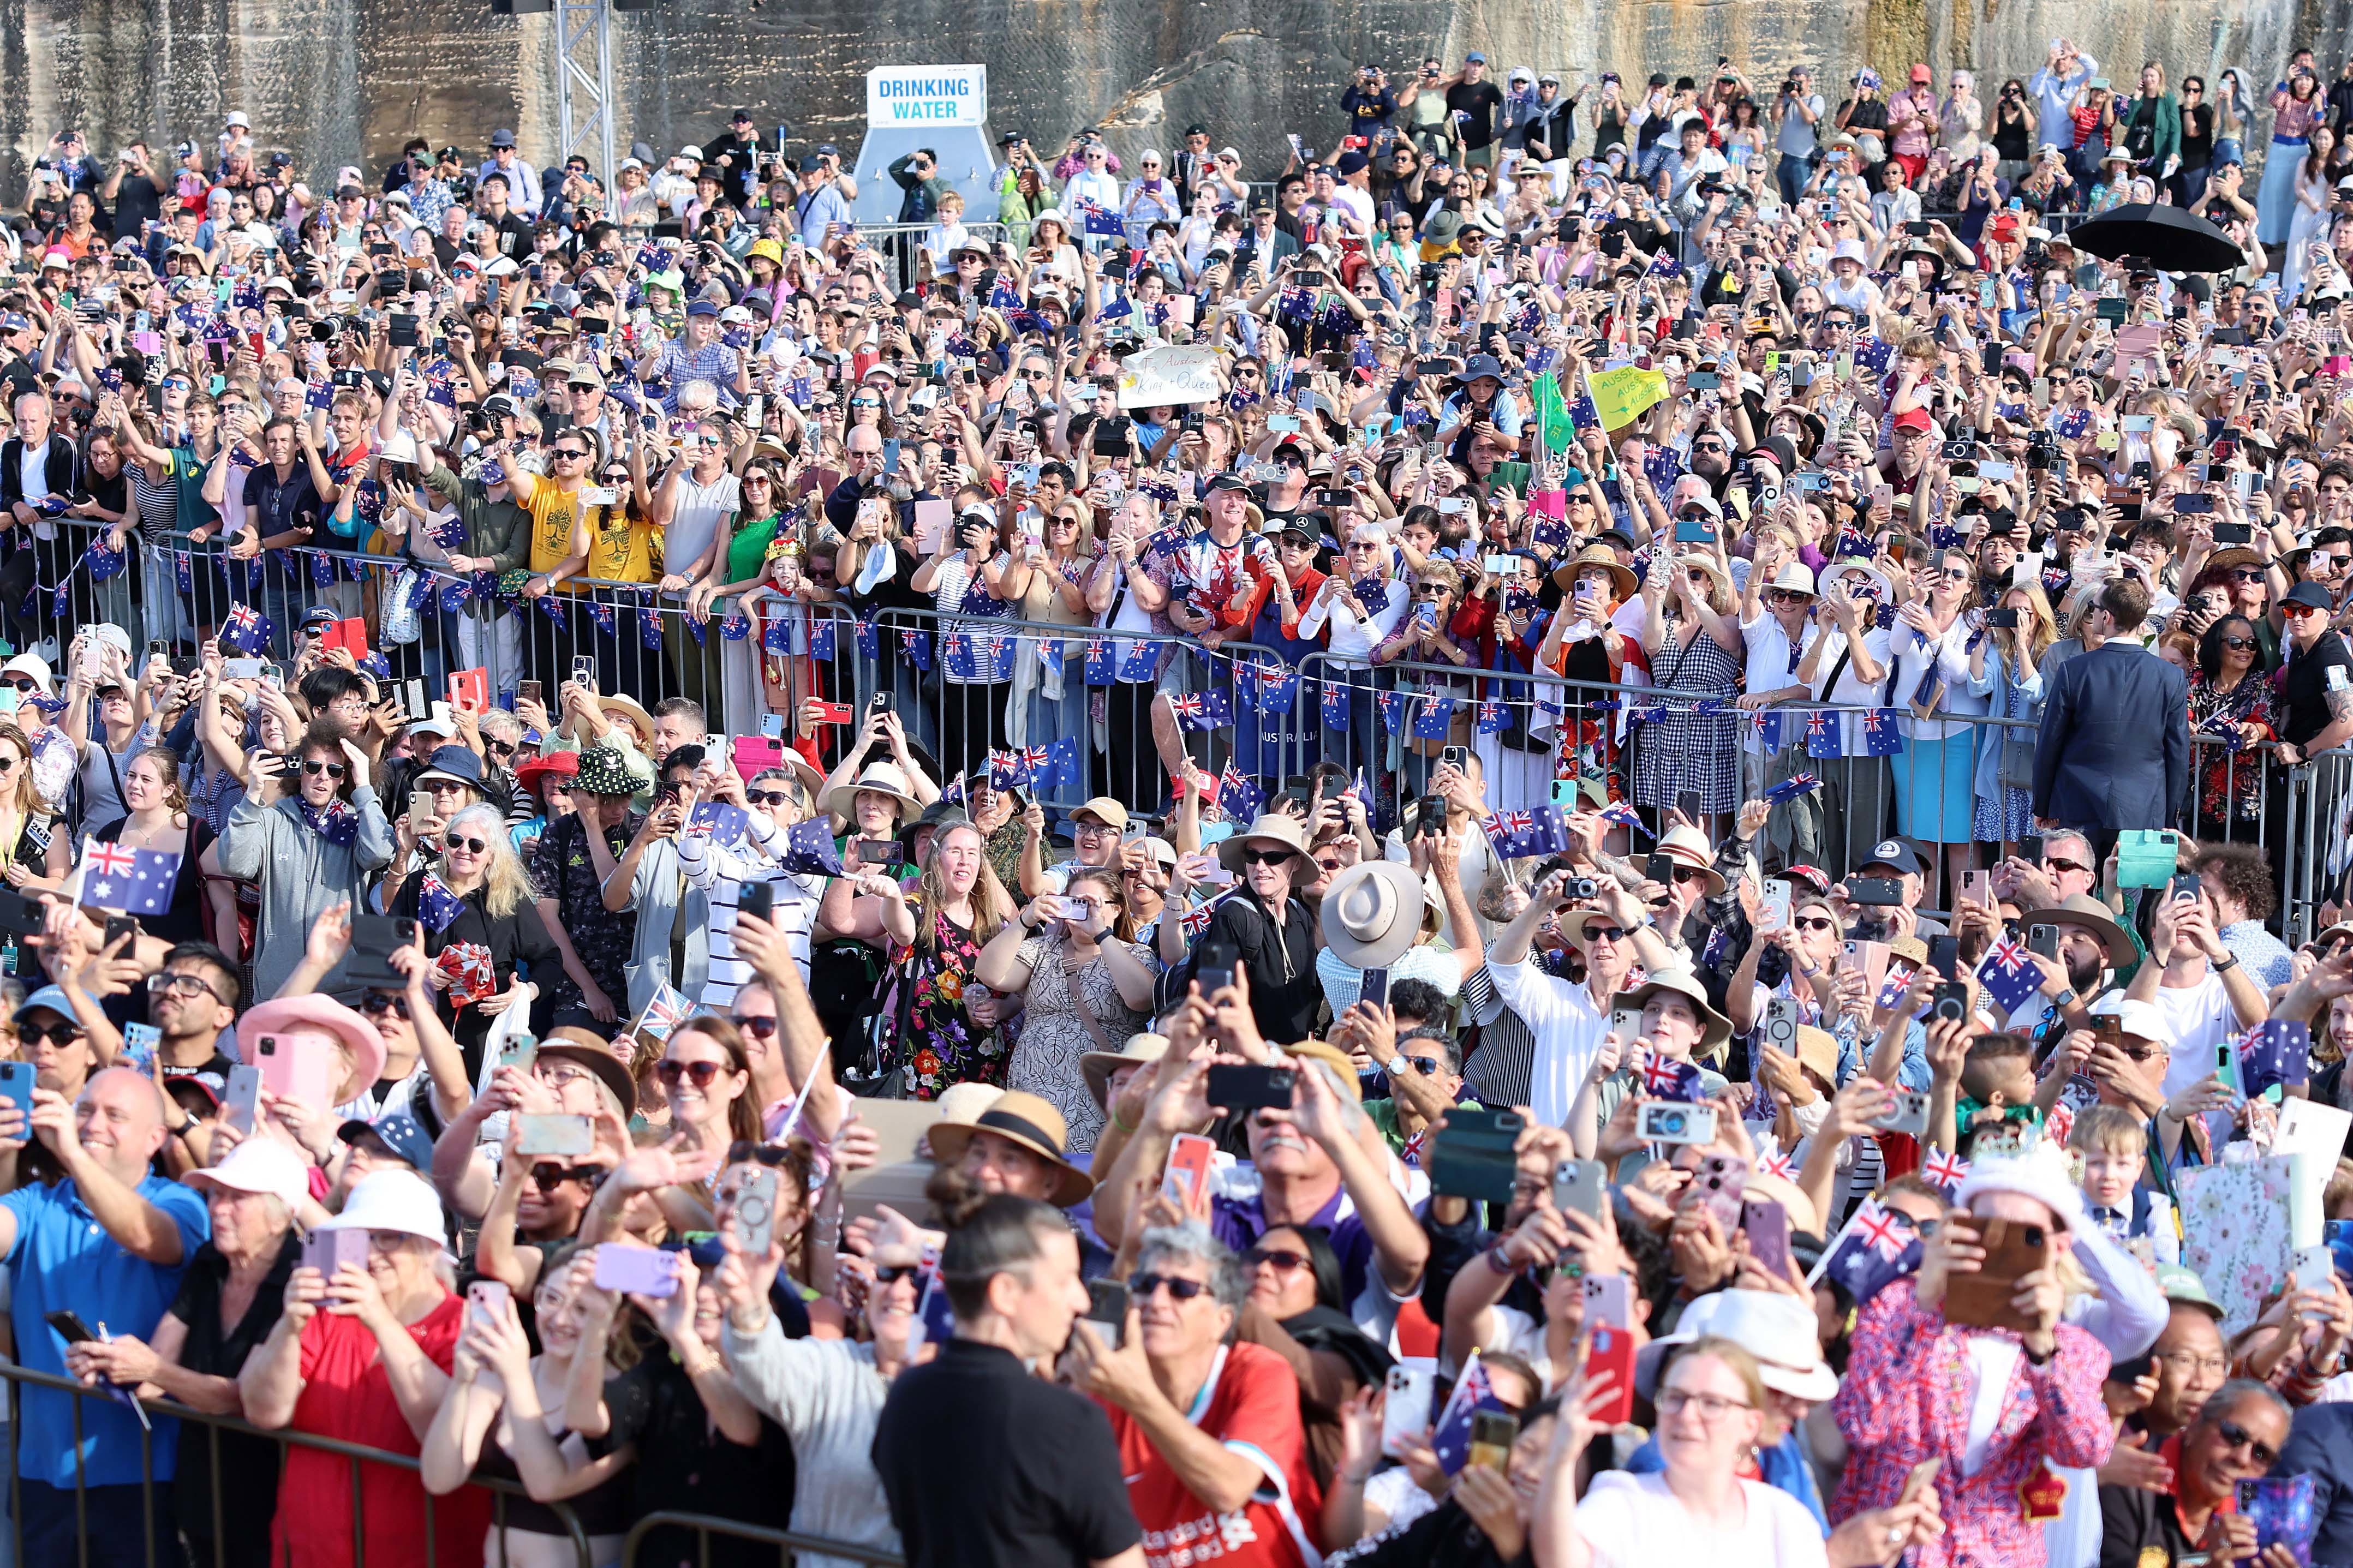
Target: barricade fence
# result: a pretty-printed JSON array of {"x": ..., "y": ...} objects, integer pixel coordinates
[
  {"x": 901, "y": 246},
  {"x": 968, "y": 686}
]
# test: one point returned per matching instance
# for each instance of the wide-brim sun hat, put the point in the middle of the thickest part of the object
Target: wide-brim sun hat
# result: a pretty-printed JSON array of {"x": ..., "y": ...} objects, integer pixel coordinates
[
  {"x": 1029, "y": 1120},
  {"x": 1372, "y": 914}
]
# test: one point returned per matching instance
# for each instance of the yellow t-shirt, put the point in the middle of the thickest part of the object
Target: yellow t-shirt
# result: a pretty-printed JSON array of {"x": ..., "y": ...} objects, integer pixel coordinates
[
  {"x": 554, "y": 514},
  {"x": 620, "y": 549}
]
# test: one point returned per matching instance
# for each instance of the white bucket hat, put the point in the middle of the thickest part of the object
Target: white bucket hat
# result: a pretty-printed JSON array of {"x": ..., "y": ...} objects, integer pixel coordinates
[
  {"x": 401, "y": 1201},
  {"x": 1779, "y": 1330}
]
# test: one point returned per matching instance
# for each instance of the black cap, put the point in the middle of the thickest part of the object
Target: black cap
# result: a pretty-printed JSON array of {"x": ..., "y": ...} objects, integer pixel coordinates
[
  {"x": 1196, "y": 129},
  {"x": 739, "y": 114},
  {"x": 1231, "y": 481},
  {"x": 2311, "y": 595},
  {"x": 1011, "y": 138}
]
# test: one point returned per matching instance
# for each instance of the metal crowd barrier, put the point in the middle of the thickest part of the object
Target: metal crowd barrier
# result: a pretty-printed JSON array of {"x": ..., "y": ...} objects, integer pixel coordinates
[
  {"x": 785, "y": 1542},
  {"x": 902, "y": 246},
  {"x": 19, "y": 1379}
]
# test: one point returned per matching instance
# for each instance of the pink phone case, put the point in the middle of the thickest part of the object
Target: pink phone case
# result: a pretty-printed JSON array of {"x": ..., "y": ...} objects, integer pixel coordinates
[
  {"x": 647, "y": 1270},
  {"x": 299, "y": 1067}
]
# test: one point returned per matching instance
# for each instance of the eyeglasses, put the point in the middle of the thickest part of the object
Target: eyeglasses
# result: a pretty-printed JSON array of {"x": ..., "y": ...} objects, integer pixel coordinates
[
  {"x": 1711, "y": 1406},
  {"x": 182, "y": 984},
  {"x": 1143, "y": 1286},
  {"x": 765, "y": 1028},
  {"x": 463, "y": 841},
  {"x": 380, "y": 1002},
  {"x": 547, "y": 1176},
  {"x": 1269, "y": 856},
  {"x": 56, "y": 1034},
  {"x": 670, "y": 1072},
  {"x": 1283, "y": 1260},
  {"x": 2237, "y": 1436}
]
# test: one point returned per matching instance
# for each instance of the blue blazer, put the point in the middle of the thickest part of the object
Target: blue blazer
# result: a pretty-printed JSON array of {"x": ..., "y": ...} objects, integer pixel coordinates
[{"x": 2114, "y": 750}]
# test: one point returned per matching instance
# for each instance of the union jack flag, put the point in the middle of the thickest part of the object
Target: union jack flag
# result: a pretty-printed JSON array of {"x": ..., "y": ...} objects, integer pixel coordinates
[
  {"x": 2059, "y": 1124},
  {"x": 667, "y": 1011},
  {"x": 1773, "y": 1162},
  {"x": 1197, "y": 921},
  {"x": 1882, "y": 1230},
  {"x": 109, "y": 859},
  {"x": 1944, "y": 1168}
]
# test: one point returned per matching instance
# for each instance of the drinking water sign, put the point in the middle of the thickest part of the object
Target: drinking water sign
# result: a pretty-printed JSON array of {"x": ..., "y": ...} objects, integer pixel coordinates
[{"x": 916, "y": 95}]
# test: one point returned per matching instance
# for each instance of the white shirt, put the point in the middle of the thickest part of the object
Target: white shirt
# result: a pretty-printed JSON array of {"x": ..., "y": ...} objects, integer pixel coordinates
[
  {"x": 1568, "y": 1030},
  {"x": 2201, "y": 1017},
  {"x": 696, "y": 522},
  {"x": 1635, "y": 1522},
  {"x": 1356, "y": 203},
  {"x": 1772, "y": 662},
  {"x": 1850, "y": 688},
  {"x": 1089, "y": 186}
]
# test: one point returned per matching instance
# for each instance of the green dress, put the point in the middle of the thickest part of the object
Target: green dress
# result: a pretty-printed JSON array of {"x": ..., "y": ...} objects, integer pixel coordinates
[{"x": 747, "y": 550}]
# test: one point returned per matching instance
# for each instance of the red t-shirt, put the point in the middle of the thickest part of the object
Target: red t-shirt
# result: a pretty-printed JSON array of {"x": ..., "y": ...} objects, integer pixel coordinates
[
  {"x": 1252, "y": 1408},
  {"x": 346, "y": 1395}
]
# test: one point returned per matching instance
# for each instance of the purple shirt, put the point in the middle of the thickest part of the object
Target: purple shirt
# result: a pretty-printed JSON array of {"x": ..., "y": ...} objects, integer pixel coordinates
[{"x": 1239, "y": 1222}]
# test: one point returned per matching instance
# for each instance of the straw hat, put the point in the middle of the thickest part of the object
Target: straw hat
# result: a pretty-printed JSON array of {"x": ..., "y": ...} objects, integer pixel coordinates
[
  {"x": 1030, "y": 1122},
  {"x": 1689, "y": 846},
  {"x": 1621, "y": 577},
  {"x": 1271, "y": 827},
  {"x": 1714, "y": 1027},
  {"x": 881, "y": 778},
  {"x": 1096, "y": 1066}
]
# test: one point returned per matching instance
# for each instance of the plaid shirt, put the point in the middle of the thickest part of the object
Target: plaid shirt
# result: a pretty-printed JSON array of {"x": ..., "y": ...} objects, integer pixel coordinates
[
  {"x": 1905, "y": 1397},
  {"x": 714, "y": 363}
]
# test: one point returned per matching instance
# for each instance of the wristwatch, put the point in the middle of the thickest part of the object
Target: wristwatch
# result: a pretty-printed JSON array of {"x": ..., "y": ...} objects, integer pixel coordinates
[
  {"x": 2064, "y": 998},
  {"x": 1395, "y": 1067},
  {"x": 2224, "y": 964}
]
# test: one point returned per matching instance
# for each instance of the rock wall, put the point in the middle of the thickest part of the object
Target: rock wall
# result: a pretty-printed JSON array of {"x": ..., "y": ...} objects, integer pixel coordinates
[{"x": 334, "y": 80}]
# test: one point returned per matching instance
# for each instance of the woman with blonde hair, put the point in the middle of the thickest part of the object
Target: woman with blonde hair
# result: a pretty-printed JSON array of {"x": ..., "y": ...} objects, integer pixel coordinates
[
  {"x": 935, "y": 938},
  {"x": 476, "y": 914},
  {"x": 2004, "y": 669},
  {"x": 29, "y": 849},
  {"x": 1048, "y": 581}
]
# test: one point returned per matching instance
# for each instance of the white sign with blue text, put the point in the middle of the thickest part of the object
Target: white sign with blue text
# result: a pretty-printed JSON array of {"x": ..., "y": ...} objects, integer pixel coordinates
[{"x": 911, "y": 96}]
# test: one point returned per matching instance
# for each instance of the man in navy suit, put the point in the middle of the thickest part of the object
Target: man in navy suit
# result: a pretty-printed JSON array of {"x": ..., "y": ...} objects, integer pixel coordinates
[{"x": 2114, "y": 751}]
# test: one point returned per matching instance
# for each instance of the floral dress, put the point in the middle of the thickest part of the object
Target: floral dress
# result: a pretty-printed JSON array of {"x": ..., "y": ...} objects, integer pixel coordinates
[
  {"x": 1053, "y": 1035},
  {"x": 2230, "y": 780},
  {"x": 942, "y": 1043}
]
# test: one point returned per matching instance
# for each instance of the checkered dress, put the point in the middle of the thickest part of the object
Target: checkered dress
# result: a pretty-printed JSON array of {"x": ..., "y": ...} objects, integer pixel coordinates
[{"x": 1687, "y": 751}]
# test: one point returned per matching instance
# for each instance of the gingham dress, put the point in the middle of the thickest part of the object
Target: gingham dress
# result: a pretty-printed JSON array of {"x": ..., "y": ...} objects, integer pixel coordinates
[{"x": 1689, "y": 751}]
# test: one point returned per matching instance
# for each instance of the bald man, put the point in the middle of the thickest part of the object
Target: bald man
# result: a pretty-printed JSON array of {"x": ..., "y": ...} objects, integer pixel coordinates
[{"x": 108, "y": 1244}]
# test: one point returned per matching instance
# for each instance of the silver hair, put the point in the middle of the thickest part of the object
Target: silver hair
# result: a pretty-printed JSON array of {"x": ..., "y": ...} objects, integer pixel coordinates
[
  {"x": 1193, "y": 1240},
  {"x": 2238, "y": 1390}
]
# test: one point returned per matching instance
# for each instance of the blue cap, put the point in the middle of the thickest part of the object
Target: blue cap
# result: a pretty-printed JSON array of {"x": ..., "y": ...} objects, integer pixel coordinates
[
  {"x": 1474, "y": 57},
  {"x": 13, "y": 323},
  {"x": 402, "y": 1134},
  {"x": 701, "y": 308},
  {"x": 52, "y": 999}
]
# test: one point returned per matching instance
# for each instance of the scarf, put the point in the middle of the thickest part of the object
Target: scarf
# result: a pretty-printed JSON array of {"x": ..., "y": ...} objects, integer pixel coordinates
[{"x": 338, "y": 824}]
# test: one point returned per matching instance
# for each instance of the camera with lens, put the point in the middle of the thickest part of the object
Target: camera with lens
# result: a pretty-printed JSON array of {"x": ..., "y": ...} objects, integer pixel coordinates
[{"x": 1581, "y": 888}]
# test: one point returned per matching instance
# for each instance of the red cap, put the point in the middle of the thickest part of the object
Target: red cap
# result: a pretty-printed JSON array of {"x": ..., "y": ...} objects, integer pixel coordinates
[
  {"x": 1911, "y": 419},
  {"x": 1920, "y": 73}
]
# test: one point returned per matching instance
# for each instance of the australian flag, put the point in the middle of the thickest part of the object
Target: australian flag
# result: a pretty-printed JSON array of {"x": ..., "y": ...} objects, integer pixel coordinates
[
  {"x": 1491, "y": 718},
  {"x": 1825, "y": 736},
  {"x": 1944, "y": 1168},
  {"x": 2008, "y": 974},
  {"x": 919, "y": 648},
  {"x": 134, "y": 881},
  {"x": 719, "y": 822},
  {"x": 1099, "y": 661},
  {"x": 1665, "y": 1077},
  {"x": 1335, "y": 706},
  {"x": 436, "y": 906},
  {"x": 1876, "y": 1247},
  {"x": 1429, "y": 723},
  {"x": 1239, "y": 794},
  {"x": 1472, "y": 1394},
  {"x": 1101, "y": 220},
  {"x": 870, "y": 638},
  {"x": 955, "y": 656},
  {"x": 1791, "y": 788},
  {"x": 1624, "y": 816},
  {"x": 1392, "y": 707},
  {"x": 1198, "y": 711},
  {"x": 1517, "y": 835},
  {"x": 1005, "y": 770},
  {"x": 809, "y": 850},
  {"x": 1873, "y": 355},
  {"x": 1880, "y": 738},
  {"x": 736, "y": 627},
  {"x": 820, "y": 641},
  {"x": 1063, "y": 768},
  {"x": 1277, "y": 688},
  {"x": 1143, "y": 661},
  {"x": 247, "y": 630},
  {"x": 775, "y": 636}
]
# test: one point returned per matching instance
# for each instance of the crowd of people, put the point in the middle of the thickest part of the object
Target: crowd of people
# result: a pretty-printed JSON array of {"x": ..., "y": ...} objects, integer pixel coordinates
[{"x": 1629, "y": 893}]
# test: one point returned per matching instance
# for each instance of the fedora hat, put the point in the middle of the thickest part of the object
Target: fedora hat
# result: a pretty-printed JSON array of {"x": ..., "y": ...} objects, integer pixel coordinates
[
  {"x": 1621, "y": 577},
  {"x": 588, "y": 1049},
  {"x": 1689, "y": 845},
  {"x": 1096, "y": 1066},
  {"x": 629, "y": 711},
  {"x": 1030, "y": 1122},
  {"x": 881, "y": 778},
  {"x": 1273, "y": 828},
  {"x": 1372, "y": 914},
  {"x": 2082, "y": 910},
  {"x": 1714, "y": 1027}
]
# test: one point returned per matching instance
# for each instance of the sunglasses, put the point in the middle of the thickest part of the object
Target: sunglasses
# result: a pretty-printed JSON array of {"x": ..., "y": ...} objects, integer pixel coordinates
[
  {"x": 2300, "y": 611},
  {"x": 462, "y": 841},
  {"x": 379, "y": 1001},
  {"x": 568, "y": 454},
  {"x": 1686, "y": 874},
  {"x": 1814, "y": 922},
  {"x": 1604, "y": 933},
  {"x": 1283, "y": 1257},
  {"x": 670, "y": 1072},
  {"x": 56, "y": 1034},
  {"x": 1269, "y": 856},
  {"x": 743, "y": 1149},
  {"x": 2053, "y": 863},
  {"x": 1143, "y": 1286},
  {"x": 887, "y": 1275},
  {"x": 2238, "y": 1437},
  {"x": 547, "y": 1176},
  {"x": 764, "y": 1028},
  {"x": 766, "y": 796},
  {"x": 2239, "y": 643},
  {"x": 333, "y": 770},
  {"x": 2248, "y": 574}
]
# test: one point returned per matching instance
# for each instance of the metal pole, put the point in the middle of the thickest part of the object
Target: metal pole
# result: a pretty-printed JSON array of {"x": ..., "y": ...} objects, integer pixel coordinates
[{"x": 574, "y": 20}]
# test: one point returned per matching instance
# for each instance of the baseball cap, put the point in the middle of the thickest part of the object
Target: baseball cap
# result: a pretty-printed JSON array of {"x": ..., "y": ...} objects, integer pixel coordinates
[
  {"x": 2309, "y": 594},
  {"x": 1474, "y": 58},
  {"x": 1894, "y": 852},
  {"x": 1911, "y": 419},
  {"x": 701, "y": 308}
]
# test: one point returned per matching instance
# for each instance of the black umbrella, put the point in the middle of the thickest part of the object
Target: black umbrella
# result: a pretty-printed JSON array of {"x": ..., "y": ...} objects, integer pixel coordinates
[{"x": 2171, "y": 238}]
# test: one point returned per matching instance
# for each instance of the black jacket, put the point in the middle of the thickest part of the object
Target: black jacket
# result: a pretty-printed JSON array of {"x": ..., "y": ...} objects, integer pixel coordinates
[
  {"x": 61, "y": 465},
  {"x": 1285, "y": 995}
]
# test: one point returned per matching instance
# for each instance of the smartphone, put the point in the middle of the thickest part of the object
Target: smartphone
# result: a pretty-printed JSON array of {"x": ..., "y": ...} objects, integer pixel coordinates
[
  {"x": 1944, "y": 956},
  {"x": 1671, "y": 1122},
  {"x": 528, "y": 691},
  {"x": 327, "y": 1250},
  {"x": 1214, "y": 967},
  {"x": 1626, "y": 1023},
  {"x": 1247, "y": 1087},
  {"x": 1107, "y": 1305},
  {"x": 1406, "y": 1407},
  {"x": 298, "y": 1066},
  {"x": 1976, "y": 886},
  {"x": 1766, "y": 1224},
  {"x": 1982, "y": 1299},
  {"x": 1474, "y": 1157},
  {"x": 754, "y": 1209},
  {"x": 2226, "y": 1068},
  {"x": 758, "y": 899},
  {"x": 240, "y": 1101},
  {"x": 1719, "y": 1181},
  {"x": 1782, "y": 1024},
  {"x": 70, "y": 1327},
  {"x": 487, "y": 1299},
  {"x": 556, "y": 1136},
  {"x": 1775, "y": 912},
  {"x": 1611, "y": 1356},
  {"x": 1580, "y": 1187},
  {"x": 1883, "y": 892},
  {"x": 520, "y": 1052},
  {"x": 1492, "y": 1433},
  {"x": 1375, "y": 987},
  {"x": 17, "y": 1088},
  {"x": 1659, "y": 868},
  {"x": 1608, "y": 1300},
  {"x": 1950, "y": 1002},
  {"x": 2043, "y": 940},
  {"x": 1185, "y": 1177},
  {"x": 646, "y": 1270}
]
